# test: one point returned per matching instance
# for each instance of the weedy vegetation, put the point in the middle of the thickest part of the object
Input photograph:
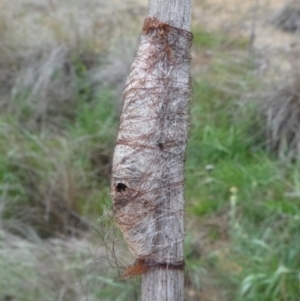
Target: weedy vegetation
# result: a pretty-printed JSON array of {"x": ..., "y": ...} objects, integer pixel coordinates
[{"x": 62, "y": 69}]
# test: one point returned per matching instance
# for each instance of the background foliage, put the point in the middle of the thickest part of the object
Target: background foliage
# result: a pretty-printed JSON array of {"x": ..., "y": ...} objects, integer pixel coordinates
[{"x": 62, "y": 69}]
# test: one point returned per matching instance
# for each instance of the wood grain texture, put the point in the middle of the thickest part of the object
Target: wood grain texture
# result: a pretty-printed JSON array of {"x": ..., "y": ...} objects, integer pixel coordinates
[
  {"x": 158, "y": 284},
  {"x": 174, "y": 12},
  {"x": 147, "y": 181}
]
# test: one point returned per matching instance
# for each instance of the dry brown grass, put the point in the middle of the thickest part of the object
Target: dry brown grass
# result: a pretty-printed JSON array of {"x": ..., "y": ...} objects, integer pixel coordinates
[
  {"x": 56, "y": 58},
  {"x": 280, "y": 107},
  {"x": 57, "y": 269},
  {"x": 288, "y": 17},
  {"x": 52, "y": 53}
]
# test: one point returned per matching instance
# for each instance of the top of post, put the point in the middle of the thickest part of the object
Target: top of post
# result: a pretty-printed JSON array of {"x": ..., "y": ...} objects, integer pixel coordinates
[{"x": 177, "y": 13}]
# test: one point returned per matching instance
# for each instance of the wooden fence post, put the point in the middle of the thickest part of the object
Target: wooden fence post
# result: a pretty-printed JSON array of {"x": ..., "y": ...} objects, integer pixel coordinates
[{"x": 148, "y": 165}]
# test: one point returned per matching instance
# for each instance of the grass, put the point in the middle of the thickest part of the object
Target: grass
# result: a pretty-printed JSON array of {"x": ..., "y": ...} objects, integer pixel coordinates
[
  {"x": 272, "y": 270},
  {"x": 215, "y": 40},
  {"x": 58, "y": 124},
  {"x": 52, "y": 174},
  {"x": 57, "y": 269},
  {"x": 229, "y": 170},
  {"x": 55, "y": 163}
]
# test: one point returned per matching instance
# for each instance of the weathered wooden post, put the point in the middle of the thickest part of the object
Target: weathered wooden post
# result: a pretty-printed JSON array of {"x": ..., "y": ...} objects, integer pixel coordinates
[{"x": 148, "y": 164}]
